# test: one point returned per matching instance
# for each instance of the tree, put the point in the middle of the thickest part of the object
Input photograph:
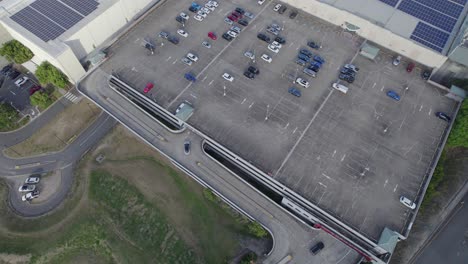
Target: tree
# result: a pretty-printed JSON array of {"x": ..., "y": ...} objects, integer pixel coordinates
[
  {"x": 256, "y": 230},
  {"x": 8, "y": 117},
  {"x": 46, "y": 73},
  {"x": 459, "y": 135},
  {"x": 41, "y": 99},
  {"x": 249, "y": 258},
  {"x": 13, "y": 50}
]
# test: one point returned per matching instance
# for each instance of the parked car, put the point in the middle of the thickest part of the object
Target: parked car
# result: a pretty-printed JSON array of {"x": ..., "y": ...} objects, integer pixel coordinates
[
  {"x": 314, "y": 68},
  {"x": 315, "y": 64},
  {"x": 293, "y": 14},
  {"x": 306, "y": 52},
  {"x": 249, "y": 75},
  {"x": 392, "y": 94},
  {"x": 173, "y": 40},
  {"x": 213, "y": 3},
  {"x": 309, "y": 72},
  {"x": 243, "y": 22},
  {"x": 426, "y": 75},
  {"x": 164, "y": 34},
  {"x": 282, "y": 9},
  {"x": 397, "y": 60},
  {"x": 184, "y": 16},
  {"x": 277, "y": 7},
  {"x": 193, "y": 9},
  {"x": 182, "y": 33},
  {"x": 212, "y": 36},
  {"x": 260, "y": 2},
  {"x": 345, "y": 77},
  {"x": 302, "y": 82},
  {"x": 240, "y": 10},
  {"x": 301, "y": 62},
  {"x": 443, "y": 116},
  {"x": 227, "y": 37},
  {"x": 206, "y": 44},
  {"x": 198, "y": 18},
  {"x": 313, "y": 45},
  {"x": 351, "y": 67},
  {"x": 180, "y": 19},
  {"x": 21, "y": 81},
  {"x": 226, "y": 76},
  {"x": 13, "y": 74},
  {"x": 303, "y": 57},
  {"x": 6, "y": 69},
  {"x": 232, "y": 33},
  {"x": 410, "y": 67},
  {"x": 233, "y": 18},
  {"x": 249, "y": 15},
  {"x": 266, "y": 58},
  {"x": 228, "y": 21},
  {"x": 316, "y": 248},
  {"x": 272, "y": 30},
  {"x": 348, "y": 71},
  {"x": 280, "y": 40},
  {"x": 202, "y": 14},
  {"x": 253, "y": 70},
  {"x": 192, "y": 57},
  {"x": 263, "y": 37},
  {"x": 187, "y": 147},
  {"x": 294, "y": 91},
  {"x": 407, "y": 202},
  {"x": 187, "y": 61},
  {"x": 33, "y": 179},
  {"x": 340, "y": 87},
  {"x": 148, "y": 87},
  {"x": 30, "y": 195},
  {"x": 273, "y": 48},
  {"x": 27, "y": 188},
  {"x": 249, "y": 54},
  {"x": 319, "y": 59},
  {"x": 34, "y": 89},
  {"x": 190, "y": 77}
]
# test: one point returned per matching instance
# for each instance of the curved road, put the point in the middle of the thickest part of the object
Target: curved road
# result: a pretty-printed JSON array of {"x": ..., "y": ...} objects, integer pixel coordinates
[{"x": 63, "y": 160}]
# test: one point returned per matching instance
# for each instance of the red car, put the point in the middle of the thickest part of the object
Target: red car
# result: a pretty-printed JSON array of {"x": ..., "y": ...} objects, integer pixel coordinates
[
  {"x": 34, "y": 89},
  {"x": 233, "y": 18},
  {"x": 237, "y": 14},
  {"x": 148, "y": 87},
  {"x": 212, "y": 35},
  {"x": 410, "y": 67}
]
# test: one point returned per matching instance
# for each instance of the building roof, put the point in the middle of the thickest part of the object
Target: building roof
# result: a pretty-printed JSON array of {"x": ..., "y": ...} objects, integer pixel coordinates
[{"x": 431, "y": 23}]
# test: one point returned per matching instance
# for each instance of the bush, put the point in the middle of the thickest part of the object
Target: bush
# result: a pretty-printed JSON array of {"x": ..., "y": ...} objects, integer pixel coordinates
[
  {"x": 459, "y": 135},
  {"x": 256, "y": 230},
  {"x": 47, "y": 73},
  {"x": 210, "y": 196},
  {"x": 41, "y": 99},
  {"x": 8, "y": 117},
  {"x": 249, "y": 258},
  {"x": 14, "y": 51}
]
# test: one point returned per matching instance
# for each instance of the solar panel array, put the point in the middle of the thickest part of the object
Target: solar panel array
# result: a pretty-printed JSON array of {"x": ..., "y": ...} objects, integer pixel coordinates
[
  {"x": 48, "y": 19},
  {"x": 430, "y": 36},
  {"x": 390, "y": 2},
  {"x": 428, "y": 15}
]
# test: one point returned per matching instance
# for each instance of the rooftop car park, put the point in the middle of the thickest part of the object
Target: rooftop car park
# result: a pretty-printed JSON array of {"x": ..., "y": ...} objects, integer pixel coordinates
[{"x": 353, "y": 154}]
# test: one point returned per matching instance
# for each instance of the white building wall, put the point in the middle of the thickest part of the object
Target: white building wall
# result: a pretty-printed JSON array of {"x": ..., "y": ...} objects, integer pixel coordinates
[{"x": 371, "y": 32}]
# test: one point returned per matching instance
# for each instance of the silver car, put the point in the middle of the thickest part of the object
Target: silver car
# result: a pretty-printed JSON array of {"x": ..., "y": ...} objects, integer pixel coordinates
[{"x": 187, "y": 61}]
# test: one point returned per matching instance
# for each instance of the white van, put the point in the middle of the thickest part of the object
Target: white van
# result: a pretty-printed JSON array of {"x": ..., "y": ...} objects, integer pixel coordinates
[{"x": 340, "y": 87}]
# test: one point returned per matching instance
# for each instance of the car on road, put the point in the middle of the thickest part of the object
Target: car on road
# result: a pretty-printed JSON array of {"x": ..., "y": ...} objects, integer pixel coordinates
[
  {"x": 227, "y": 37},
  {"x": 212, "y": 36},
  {"x": 263, "y": 37},
  {"x": 187, "y": 147},
  {"x": 293, "y": 14},
  {"x": 226, "y": 76},
  {"x": 396, "y": 60},
  {"x": 228, "y": 21},
  {"x": 260, "y": 2},
  {"x": 313, "y": 45},
  {"x": 410, "y": 67},
  {"x": 346, "y": 77},
  {"x": 21, "y": 81},
  {"x": 192, "y": 57},
  {"x": 243, "y": 22},
  {"x": 407, "y": 202},
  {"x": 249, "y": 75},
  {"x": 173, "y": 40},
  {"x": 206, "y": 44},
  {"x": 302, "y": 82},
  {"x": 273, "y": 48},
  {"x": 33, "y": 179},
  {"x": 266, "y": 58},
  {"x": 30, "y": 195},
  {"x": 249, "y": 54},
  {"x": 443, "y": 116},
  {"x": 316, "y": 248},
  {"x": 294, "y": 91},
  {"x": 27, "y": 188},
  {"x": 34, "y": 89},
  {"x": 184, "y": 16},
  {"x": 277, "y": 7},
  {"x": 392, "y": 94},
  {"x": 187, "y": 61},
  {"x": 148, "y": 87},
  {"x": 198, "y": 18},
  {"x": 340, "y": 87},
  {"x": 182, "y": 33},
  {"x": 253, "y": 70},
  {"x": 164, "y": 34}
]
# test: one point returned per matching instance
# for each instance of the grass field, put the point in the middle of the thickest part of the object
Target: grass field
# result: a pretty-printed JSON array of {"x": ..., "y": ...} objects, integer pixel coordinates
[
  {"x": 59, "y": 132},
  {"x": 132, "y": 208}
]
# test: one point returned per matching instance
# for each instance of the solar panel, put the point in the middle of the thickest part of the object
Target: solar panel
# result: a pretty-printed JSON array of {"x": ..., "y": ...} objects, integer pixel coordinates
[
  {"x": 461, "y": 2},
  {"x": 428, "y": 15},
  {"x": 37, "y": 24},
  {"x": 443, "y": 6},
  {"x": 57, "y": 12},
  {"x": 84, "y": 7},
  {"x": 430, "y": 36},
  {"x": 390, "y": 2}
]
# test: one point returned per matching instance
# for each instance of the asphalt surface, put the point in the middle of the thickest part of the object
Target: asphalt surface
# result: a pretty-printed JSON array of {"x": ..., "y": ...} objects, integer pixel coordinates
[{"x": 450, "y": 245}]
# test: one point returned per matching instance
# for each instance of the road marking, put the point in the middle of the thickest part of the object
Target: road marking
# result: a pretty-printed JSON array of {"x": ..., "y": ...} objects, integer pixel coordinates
[
  {"x": 286, "y": 126},
  {"x": 220, "y": 10},
  {"x": 250, "y": 106},
  {"x": 95, "y": 130},
  {"x": 323, "y": 185},
  {"x": 374, "y": 85},
  {"x": 174, "y": 62},
  {"x": 420, "y": 108},
  {"x": 204, "y": 78},
  {"x": 430, "y": 111},
  {"x": 326, "y": 176},
  {"x": 254, "y": 26},
  {"x": 211, "y": 82},
  {"x": 168, "y": 58},
  {"x": 12, "y": 92},
  {"x": 385, "y": 184},
  {"x": 134, "y": 69},
  {"x": 396, "y": 186},
  {"x": 193, "y": 96},
  {"x": 342, "y": 158},
  {"x": 243, "y": 101},
  {"x": 334, "y": 152},
  {"x": 294, "y": 131},
  {"x": 383, "y": 87}
]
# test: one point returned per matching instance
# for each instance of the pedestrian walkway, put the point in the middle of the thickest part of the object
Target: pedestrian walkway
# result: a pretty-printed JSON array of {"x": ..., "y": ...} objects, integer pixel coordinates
[{"x": 71, "y": 97}]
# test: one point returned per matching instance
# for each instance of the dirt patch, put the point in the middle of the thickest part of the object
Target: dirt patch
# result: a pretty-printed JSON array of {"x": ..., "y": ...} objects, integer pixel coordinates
[
  {"x": 59, "y": 132},
  {"x": 14, "y": 259},
  {"x": 48, "y": 185}
]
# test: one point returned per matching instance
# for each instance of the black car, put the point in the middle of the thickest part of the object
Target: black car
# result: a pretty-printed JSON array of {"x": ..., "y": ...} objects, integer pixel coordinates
[
  {"x": 280, "y": 40},
  {"x": 314, "y": 68},
  {"x": 240, "y": 10},
  {"x": 313, "y": 45},
  {"x": 282, "y": 9},
  {"x": 316, "y": 248},
  {"x": 443, "y": 116},
  {"x": 193, "y": 9},
  {"x": 227, "y": 37},
  {"x": 249, "y": 75},
  {"x": 293, "y": 14},
  {"x": 263, "y": 37},
  {"x": 346, "y": 77},
  {"x": 180, "y": 19},
  {"x": 348, "y": 71},
  {"x": 6, "y": 69},
  {"x": 425, "y": 75},
  {"x": 13, "y": 74},
  {"x": 253, "y": 70},
  {"x": 173, "y": 39},
  {"x": 243, "y": 22},
  {"x": 306, "y": 52}
]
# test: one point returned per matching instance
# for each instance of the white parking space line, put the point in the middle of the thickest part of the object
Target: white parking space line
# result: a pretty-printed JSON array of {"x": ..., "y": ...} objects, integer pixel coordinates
[
  {"x": 168, "y": 58},
  {"x": 383, "y": 87},
  {"x": 204, "y": 78},
  {"x": 254, "y": 26},
  {"x": 342, "y": 158},
  {"x": 291, "y": 44},
  {"x": 430, "y": 111},
  {"x": 420, "y": 108},
  {"x": 286, "y": 126},
  {"x": 334, "y": 152},
  {"x": 174, "y": 62},
  {"x": 394, "y": 189},
  {"x": 294, "y": 131},
  {"x": 211, "y": 82},
  {"x": 12, "y": 92},
  {"x": 220, "y": 10},
  {"x": 385, "y": 183},
  {"x": 250, "y": 106},
  {"x": 193, "y": 96},
  {"x": 243, "y": 101},
  {"x": 374, "y": 85}
]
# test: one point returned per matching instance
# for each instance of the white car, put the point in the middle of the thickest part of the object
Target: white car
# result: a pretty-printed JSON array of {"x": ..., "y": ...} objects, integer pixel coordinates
[
  {"x": 187, "y": 61},
  {"x": 228, "y": 21},
  {"x": 260, "y": 2},
  {"x": 273, "y": 48},
  {"x": 340, "y": 87},
  {"x": 182, "y": 33},
  {"x": 201, "y": 13},
  {"x": 277, "y": 44},
  {"x": 192, "y": 57},
  {"x": 249, "y": 55},
  {"x": 302, "y": 82},
  {"x": 235, "y": 29},
  {"x": 26, "y": 188},
  {"x": 277, "y": 7},
  {"x": 210, "y": 7},
  {"x": 198, "y": 18},
  {"x": 206, "y": 10},
  {"x": 267, "y": 58},
  {"x": 30, "y": 195},
  {"x": 206, "y": 44},
  {"x": 228, "y": 77},
  {"x": 184, "y": 16},
  {"x": 232, "y": 33},
  {"x": 213, "y": 3},
  {"x": 407, "y": 202},
  {"x": 21, "y": 81},
  {"x": 32, "y": 180}
]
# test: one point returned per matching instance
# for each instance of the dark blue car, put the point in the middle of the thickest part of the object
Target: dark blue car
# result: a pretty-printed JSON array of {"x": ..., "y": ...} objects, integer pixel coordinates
[
  {"x": 303, "y": 57},
  {"x": 294, "y": 91},
  {"x": 306, "y": 52},
  {"x": 393, "y": 95},
  {"x": 191, "y": 77},
  {"x": 315, "y": 64},
  {"x": 319, "y": 59}
]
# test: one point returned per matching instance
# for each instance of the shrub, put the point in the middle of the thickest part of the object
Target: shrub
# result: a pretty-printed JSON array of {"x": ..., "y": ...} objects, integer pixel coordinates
[
  {"x": 256, "y": 230},
  {"x": 47, "y": 73},
  {"x": 459, "y": 135},
  {"x": 14, "y": 51},
  {"x": 41, "y": 99},
  {"x": 8, "y": 117}
]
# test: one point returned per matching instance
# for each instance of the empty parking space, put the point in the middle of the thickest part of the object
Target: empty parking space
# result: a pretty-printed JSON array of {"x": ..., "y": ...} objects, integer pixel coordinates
[{"x": 353, "y": 154}]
